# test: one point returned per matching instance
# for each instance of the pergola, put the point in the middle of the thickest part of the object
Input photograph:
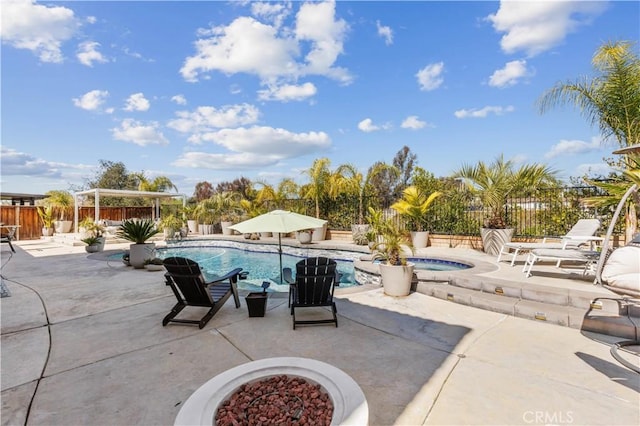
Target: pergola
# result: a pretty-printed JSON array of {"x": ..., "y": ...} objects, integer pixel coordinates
[{"x": 101, "y": 192}]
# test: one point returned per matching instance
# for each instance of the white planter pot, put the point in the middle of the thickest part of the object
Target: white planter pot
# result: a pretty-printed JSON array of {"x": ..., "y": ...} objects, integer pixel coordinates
[
  {"x": 396, "y": 280},
  {"x": 205, "y": 229},
  {"x": 193, "y": 226},
  {"x": 47, "y": 232},
  {"x": 494, "y": 239},
  {"x": 138, "y": 253},
  {"x": 225, "y": 228},
  {"x": 304, "y": 237},
  {"x": 168, "y": 233},
  {"x": 266, "y": 234},
  {"x": 63, "y": 226},
  {"x": 319, "y": 233},
  {"x": 420, "y": 239}
]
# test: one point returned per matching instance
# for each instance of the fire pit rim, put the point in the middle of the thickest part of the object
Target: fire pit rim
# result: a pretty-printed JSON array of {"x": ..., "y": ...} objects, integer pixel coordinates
[{"x": 350, "y": 404}]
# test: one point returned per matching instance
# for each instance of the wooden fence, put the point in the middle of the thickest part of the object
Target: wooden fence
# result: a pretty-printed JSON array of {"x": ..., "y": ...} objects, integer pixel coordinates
[{"x": 31, "y": 227}]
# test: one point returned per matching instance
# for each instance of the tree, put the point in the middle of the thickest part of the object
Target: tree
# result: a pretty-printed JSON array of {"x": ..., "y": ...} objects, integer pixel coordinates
[
  {"x": 404, "y": 161},
  {"x": 203, "y": 190},
  {"x": 242, "y": 186},
  {"x": 383, "y": 182},
  {"x": 158, "y": 184},
  {"x": 361, "y": 185},
  {"x": 494, "y": 183},
  {"x": 611, "y": 99},
  {"x": 323, "y": 182},
  {"x": 114, "y": 175}
]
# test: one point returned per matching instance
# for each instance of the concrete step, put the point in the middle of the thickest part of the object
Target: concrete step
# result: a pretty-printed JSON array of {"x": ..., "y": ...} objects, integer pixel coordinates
[{"x": 611, "y": 317}]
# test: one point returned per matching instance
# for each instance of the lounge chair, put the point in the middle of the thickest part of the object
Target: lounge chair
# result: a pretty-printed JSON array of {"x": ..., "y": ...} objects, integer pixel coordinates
[
  {"x": 7, "y": 237},
  {"x": 313, "y": 287},
  {"x": 191, "y": 289},
  {"x": 581, "y": 233},
  {"x": 588, "y": 257}
]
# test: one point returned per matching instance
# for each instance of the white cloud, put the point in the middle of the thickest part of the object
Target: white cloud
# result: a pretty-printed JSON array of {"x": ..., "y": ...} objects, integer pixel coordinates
[
  {"x": 88, "y": 53},
  {"x": 510, "y": 74},
  {"x": 254, "y": 147},
  {"x": 385, "y": 32},
  {"x": 232, "y": 162},
  {"x": 429, "y": 77},
  {"x": 483, "y": 112},
  {"x": 367, "y": 126},
  {"x": 207, "y": 118},
  {"x": 412, "y": 122},
  {"x": 288, "y": 92},
  {"x": 593, "y": 169},
  {"x": 537, "y": 26},
  {"x": 138, "y": 133},
  {"x": 137, "y": 102},
  {"x": 38, "y": 28},
  {"x": 264, "y": 140},
  {"x": 16, "y": 163},
  {"x": 179, "y": 99},
  {"x": 572, "y": 147},
  {"x": 272, "y": 12},
  {"x": 91, "y": 101},
  {"x": 272, "y": 53}
]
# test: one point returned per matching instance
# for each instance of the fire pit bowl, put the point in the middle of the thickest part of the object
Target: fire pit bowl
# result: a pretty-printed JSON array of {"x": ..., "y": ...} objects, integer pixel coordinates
[{"x": 349, "y": 403}]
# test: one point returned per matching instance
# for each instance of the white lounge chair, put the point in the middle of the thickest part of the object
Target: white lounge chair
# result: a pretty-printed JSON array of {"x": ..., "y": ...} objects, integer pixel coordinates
[
  {"x": 581, "y": 233},
  {"x": 589, "y": 257}
]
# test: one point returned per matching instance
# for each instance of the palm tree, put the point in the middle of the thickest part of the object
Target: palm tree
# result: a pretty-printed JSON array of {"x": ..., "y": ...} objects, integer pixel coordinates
[
  {"x": 415, "y": 204},
  {"x": 611, "y": 99},
  {"x": 494, "y": 183},
  {"x": 158, "y": 184},
  {"x": 323, "y": 182},
  {"x": 361, "y": 185}
]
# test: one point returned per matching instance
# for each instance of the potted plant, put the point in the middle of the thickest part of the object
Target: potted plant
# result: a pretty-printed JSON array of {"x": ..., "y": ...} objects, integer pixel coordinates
[
  {"x": 192, "y": 219},
  {"x": 45, "y": 213},
  {"x": 94, "y": 239},
  {"x": 257, "y": 302},
  {"x": 207, "y": 214},
  {"x": 493, "y": 184},
  {"x": 138, "y": 231},
  {"x": 395, "y": 272},
  {"x": 170, "y": 224},
  {"x": 154, "y": 264},
  {"x": 62, "y": 202},
  {"x": 414, "y": 206},
  {"x": 305, "y": 236}
]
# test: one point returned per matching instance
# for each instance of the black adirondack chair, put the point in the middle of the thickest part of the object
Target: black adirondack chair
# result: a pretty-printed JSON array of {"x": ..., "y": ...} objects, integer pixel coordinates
[
  {"x": 188, "y": 284},
  {"x": 313, "y": 287}
]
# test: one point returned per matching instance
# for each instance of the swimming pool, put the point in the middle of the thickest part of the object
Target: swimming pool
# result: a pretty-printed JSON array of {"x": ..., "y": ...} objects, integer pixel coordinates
[
  {"x": 261, "y": 260},
  {"x": 262, "y": 265}
]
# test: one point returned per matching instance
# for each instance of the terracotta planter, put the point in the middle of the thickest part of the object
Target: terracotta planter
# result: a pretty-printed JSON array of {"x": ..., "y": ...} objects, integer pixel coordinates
[{"x": 396, "y": 280}]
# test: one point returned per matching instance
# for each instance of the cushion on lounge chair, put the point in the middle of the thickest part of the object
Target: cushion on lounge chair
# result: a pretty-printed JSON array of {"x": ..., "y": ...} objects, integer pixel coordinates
[{"x": 621, "y": 271}]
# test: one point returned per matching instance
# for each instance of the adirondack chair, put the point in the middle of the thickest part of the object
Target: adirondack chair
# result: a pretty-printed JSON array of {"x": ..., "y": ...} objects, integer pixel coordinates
[
  {"x": 190, "y": 288},
  {"x": 313, "y": 287}
]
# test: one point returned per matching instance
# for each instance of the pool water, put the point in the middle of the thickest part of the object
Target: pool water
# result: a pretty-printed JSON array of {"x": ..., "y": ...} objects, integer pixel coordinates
[
  {"x": 215, "y": 261},
  {"x": 438, "y": 264}
]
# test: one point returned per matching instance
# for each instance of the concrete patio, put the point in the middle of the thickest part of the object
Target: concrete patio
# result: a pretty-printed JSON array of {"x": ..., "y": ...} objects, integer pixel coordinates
[{"x": 83, "y": 344}]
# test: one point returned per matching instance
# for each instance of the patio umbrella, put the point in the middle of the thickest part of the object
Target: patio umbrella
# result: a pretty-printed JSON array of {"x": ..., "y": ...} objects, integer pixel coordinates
[{"x": 280, "y": 221}]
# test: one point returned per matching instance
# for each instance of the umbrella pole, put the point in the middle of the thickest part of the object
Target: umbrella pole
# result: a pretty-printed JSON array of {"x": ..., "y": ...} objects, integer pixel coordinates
[{"x": 280, "y": 253}]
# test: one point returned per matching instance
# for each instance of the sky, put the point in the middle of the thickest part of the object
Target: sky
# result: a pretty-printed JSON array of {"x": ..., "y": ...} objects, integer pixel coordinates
[{"x": 212, "y": 91}]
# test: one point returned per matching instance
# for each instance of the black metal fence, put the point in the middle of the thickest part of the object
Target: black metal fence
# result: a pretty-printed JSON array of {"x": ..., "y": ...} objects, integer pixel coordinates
[{"x": 551, "y": 212}]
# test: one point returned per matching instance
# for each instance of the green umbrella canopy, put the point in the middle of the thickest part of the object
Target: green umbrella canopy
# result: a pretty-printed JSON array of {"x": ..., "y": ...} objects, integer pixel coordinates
[{"x": 281, "y": 221}]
